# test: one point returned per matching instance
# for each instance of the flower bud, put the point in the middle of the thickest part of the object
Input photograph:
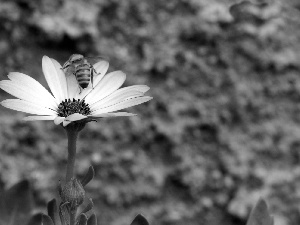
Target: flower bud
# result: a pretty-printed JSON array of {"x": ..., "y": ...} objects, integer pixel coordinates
[{"x": 73, "y": 193}]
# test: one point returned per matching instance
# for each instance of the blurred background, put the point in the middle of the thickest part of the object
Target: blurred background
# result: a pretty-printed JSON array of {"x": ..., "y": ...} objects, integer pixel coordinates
[{"x": 222, "y": 130}]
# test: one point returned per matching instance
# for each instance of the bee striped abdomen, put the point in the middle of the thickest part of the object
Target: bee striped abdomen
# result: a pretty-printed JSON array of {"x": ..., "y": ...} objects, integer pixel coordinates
[
  {"x": 82, "y": 69},
  {"x": 83, "y": 75}
]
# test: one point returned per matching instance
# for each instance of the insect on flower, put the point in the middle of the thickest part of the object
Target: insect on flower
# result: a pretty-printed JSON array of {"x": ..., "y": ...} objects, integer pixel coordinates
[
  {"x": 82, "y": 68},
  {"x": 65, "y": 104}
]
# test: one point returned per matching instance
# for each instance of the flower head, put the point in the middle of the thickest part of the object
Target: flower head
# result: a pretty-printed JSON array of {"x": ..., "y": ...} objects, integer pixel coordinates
[{"x": 68, "y": 103}]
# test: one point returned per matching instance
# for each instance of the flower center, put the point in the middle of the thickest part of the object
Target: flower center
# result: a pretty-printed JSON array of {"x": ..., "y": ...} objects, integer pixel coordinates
[{"x": 69, "y": 107}]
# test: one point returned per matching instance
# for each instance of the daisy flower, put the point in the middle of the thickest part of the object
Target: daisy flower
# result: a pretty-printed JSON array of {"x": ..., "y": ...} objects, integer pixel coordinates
[{"x": 67, "y": 104}]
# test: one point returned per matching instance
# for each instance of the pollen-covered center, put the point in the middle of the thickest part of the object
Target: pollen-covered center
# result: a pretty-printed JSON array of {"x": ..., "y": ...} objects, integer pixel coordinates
[{"x": 69, "y": 107}]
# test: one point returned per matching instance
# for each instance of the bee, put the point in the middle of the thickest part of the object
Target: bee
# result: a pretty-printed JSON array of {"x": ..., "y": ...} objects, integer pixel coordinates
[{"x": 82, "y": 68}]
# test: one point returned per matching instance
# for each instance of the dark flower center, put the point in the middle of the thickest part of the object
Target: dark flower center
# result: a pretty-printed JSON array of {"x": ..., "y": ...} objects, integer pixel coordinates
[{"x": 69, "y": 107}]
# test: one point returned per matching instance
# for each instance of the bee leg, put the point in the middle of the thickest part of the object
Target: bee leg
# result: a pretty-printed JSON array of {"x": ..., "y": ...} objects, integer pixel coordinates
[
  {"x": 66, "y": 65},
  {"x": 92, "y": 78},
  {"x": 95, "y": 71}
]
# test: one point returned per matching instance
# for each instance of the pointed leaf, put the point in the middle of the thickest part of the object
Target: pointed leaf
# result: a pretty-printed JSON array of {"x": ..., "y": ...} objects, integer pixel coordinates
[
  {"x": 40, "y": 219},
  {"x": 18, "y": 195},
  {"x": 82, "y": 219},
  {"x": 59, "y": 188},
  {"x": 139, "y": 220},
  {"x": 16, "y": 203},
  {"x": 64, "y": 213},
  {"x": 35, "y": 219},
  {"x": 89, "y": 206},
  {"x": 4, "y": 216},
  {"x": 46, "y": 220},
  {"x": 260, "y": 214},
  {"x": 53, "y": 211},
  {"x": 88, "y": 177},
  {"x": 92, "y": 220}
]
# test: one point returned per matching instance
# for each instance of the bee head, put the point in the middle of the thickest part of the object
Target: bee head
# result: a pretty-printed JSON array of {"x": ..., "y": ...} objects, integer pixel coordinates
[{"x": 75, "y": 58}]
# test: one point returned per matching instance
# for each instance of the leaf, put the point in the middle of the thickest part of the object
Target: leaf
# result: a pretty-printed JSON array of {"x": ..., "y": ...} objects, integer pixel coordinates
[
  {"x": 89, "y": 206},
  {"x": 53, "y": 211},
  {"x": 59, "y": 188},
  {"x": 16, "y": 204},
  {"x": 64, "y": 213},
  {"x": 140, "y": 220},
  {"x": 35, "y": 219},
  {"x": 88, "y": 177},
  {"x": 4, "y": 217},
  {"x": 82, "y": 219},
  {"x": 46, "y": 220},
  {"x": 40, "y": 219},
  {"x": 92, "y": 220},
  {"x": 19, "y": 198},
  {"x": 260, "y": 214}
]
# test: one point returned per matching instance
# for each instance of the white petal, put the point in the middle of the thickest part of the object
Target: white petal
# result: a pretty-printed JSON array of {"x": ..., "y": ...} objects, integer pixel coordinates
[
  {"x": 31, "y": 84},
  {"x": 122, "y": 105},
  {"x": 53, "y": 79},
  {"x": 28, "y": 107},
  {"x": 62, "y": 78},
  {"x": 65, "y": 123},
  {"x": 101, "y": 68},
  {"x": 114, "y": 114},
  {"x": 73, "y": 87},
  {"x": 75, "y": 117},
  {"x": 110, "y": 83},
  {"x": 28, "y": 94},
  {"x": 118, "y": 96},
  {"x": 84, "y": 92},
  {"x": 31, "y": 118},
  {"x": 58, "y": 120},
  {"x": 141, "y": 88}
]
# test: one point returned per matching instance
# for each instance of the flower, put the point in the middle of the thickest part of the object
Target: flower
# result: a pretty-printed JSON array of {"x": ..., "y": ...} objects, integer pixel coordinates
[{"x": 67, "y": 104}]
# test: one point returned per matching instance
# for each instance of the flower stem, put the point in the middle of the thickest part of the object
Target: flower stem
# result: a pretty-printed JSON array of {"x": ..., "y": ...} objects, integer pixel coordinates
[
  {"x": 72, "y": 138},
  {"x": 72, "y": 133},
  {"x": 73, "y": 216}
]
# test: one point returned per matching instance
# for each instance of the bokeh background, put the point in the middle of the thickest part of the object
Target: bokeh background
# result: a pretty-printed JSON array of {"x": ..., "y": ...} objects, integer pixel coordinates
[{"x": 222, "y": 130}]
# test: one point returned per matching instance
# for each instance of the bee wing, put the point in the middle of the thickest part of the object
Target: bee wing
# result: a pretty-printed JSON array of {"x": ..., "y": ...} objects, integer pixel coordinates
[
  {"x": 70, "y": 70},
  {"x": 93, "y": 60}
]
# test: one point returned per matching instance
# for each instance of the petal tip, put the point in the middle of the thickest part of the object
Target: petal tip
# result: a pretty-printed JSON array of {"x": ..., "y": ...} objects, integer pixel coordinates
[
  {"x": 58, "y": 120},
  {"x": 66, "y": 123},
  {"x": 147, "y": 88},
  {"x": 45, "y": 60},
  {"x": 55, "y": 62},
  {"x": 148, "y": 98},
  {"x": 104, "y": 63}
]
